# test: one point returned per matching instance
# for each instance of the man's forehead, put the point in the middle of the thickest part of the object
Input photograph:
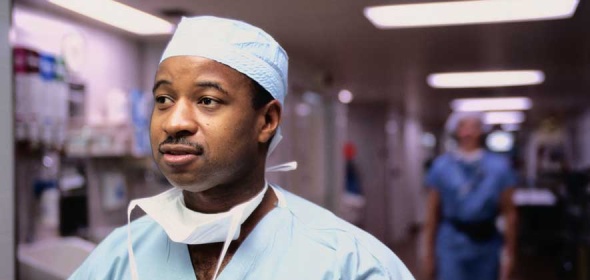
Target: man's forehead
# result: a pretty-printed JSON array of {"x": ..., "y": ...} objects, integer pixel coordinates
[{"x": 199, "y": 72}]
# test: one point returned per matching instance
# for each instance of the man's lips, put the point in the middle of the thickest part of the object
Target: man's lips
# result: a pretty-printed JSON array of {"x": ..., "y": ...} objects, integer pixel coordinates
[
  {"x": 179, "y": 155},
  {"x": 179, "y": 149}
]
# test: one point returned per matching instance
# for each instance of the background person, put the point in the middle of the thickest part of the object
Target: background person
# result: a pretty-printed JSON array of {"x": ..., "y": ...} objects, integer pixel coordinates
[{"x": 469, "y": 188}]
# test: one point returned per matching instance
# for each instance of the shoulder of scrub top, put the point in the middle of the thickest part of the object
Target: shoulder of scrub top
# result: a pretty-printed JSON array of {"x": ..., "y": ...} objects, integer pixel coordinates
[
  {"x": 110, "y": 258},
  {"x": 332, "y": 231}
]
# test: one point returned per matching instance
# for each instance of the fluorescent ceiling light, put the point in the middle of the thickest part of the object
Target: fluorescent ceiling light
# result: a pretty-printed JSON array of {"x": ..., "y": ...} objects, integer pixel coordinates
[
  {"x": 510, "y": 117},
  {"x": 468, "y": 12},
  {"x": 491, "y": 104},
  {"x": 118, "y": 15},
  {"x": 486, "y": 79}
]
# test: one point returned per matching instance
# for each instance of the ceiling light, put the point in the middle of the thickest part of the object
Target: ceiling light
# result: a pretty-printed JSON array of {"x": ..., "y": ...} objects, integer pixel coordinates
[
  {"x": 486, "y": 79},
  {"x": 345, "y": 96},
  {"x": 510, "y": 117},
  {"x": 500, "y": 141},
  {"x": 468, "y": 12},
  {"x": 118, "y": 15},
  {"x": 428, "y": 140},
  {"x": 491, "y": 104}
]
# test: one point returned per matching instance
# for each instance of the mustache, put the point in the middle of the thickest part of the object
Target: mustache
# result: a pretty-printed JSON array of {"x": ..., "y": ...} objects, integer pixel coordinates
[{"x": 181, "y": 141}]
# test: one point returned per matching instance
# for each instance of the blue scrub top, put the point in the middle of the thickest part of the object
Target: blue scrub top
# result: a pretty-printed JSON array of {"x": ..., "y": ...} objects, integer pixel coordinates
[
  {"x": 470, "y": 192},
  {"x": 297, "y": 241}
]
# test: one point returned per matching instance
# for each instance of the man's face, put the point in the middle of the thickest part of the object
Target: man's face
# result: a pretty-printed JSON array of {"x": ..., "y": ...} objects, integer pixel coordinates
[
  {"x": 469, "y": 132},
  {"x": 204, "y": 130}
]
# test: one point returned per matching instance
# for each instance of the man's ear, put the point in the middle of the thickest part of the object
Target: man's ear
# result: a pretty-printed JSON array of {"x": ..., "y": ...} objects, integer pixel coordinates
[{"x": 269, "y": 119}]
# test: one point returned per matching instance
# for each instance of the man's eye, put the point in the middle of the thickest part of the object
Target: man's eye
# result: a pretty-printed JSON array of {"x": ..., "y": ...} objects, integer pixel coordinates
[
  {"x": 208, "y": 101},
  {"x": 162, "y": 99}
]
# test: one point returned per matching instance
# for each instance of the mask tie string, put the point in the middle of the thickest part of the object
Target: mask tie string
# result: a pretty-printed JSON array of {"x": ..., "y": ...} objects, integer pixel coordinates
[
  {"x": 235, "y": 222},
  {"x": 132, "y": 263},
  {"x": 283, "y": 167}
]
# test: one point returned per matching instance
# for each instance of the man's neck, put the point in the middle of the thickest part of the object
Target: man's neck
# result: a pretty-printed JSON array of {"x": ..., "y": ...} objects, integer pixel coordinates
[
  {"x": 222, "y": 198},
  {"x": 204, "y": 257}
]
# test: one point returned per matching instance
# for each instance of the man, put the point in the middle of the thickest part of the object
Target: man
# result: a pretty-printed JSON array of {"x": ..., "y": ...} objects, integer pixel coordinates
[
  {"x": 219, "y": 92},
  {"x": 468, "y": 189}
]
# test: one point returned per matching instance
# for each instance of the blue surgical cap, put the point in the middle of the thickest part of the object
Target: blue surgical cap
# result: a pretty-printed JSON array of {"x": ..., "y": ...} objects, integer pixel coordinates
[{"x": 239, "y": 45}]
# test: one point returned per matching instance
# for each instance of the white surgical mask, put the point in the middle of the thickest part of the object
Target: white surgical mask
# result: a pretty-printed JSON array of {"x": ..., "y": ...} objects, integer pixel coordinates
[
  {"x": 186, "y": 226},
  {"x": 183, "y": 225}
]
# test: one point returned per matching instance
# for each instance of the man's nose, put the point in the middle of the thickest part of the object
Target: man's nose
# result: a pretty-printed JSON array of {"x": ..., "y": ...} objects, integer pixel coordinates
[{"x": 181, "y": 121}]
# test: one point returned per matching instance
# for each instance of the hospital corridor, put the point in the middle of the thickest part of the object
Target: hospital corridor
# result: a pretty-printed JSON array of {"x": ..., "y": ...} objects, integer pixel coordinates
[{"x": 378, "y": 139}]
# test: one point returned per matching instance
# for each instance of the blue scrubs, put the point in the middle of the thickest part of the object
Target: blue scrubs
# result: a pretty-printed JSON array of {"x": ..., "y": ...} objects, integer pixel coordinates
[
  {"x": 298, "y": 240},
  {"x": 470, "y": 195}
]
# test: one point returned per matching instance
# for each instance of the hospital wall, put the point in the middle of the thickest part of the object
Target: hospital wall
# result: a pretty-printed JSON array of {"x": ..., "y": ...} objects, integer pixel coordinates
[
  {"x": 366, "y": 130},
  {"x": 401, "y": 190},
  {"x": 390, "y": 164},
  {"x": 7, "y": 203}
]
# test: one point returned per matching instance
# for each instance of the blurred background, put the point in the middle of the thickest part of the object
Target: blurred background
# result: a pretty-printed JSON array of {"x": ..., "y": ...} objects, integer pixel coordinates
[{"x": 371, "y": 84}]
